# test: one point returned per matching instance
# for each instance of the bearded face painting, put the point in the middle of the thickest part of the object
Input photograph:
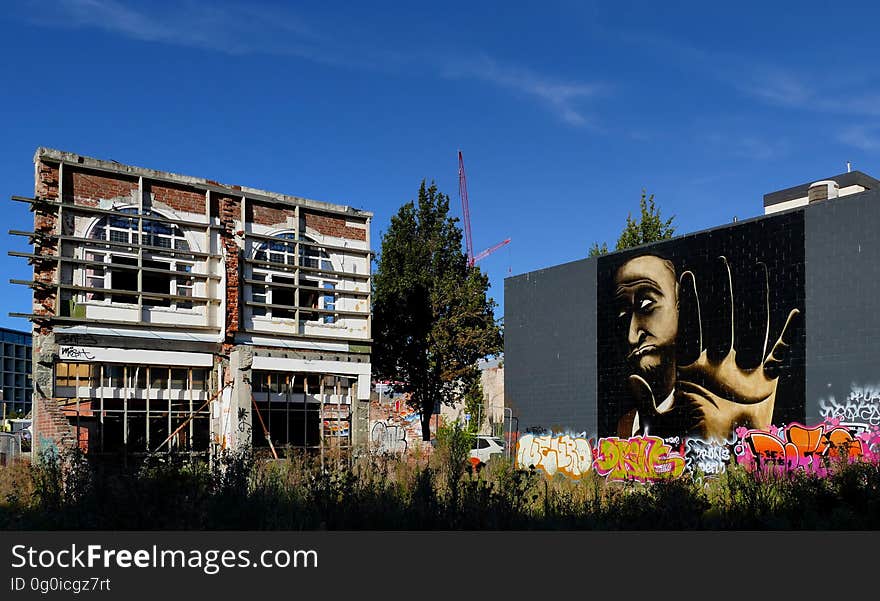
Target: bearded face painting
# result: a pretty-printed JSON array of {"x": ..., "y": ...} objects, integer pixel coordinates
[{"x": 701, "y": 335}]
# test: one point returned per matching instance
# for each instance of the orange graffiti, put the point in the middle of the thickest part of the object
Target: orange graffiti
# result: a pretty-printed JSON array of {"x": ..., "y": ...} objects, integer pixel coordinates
[
  {"x": 641, "y": 458},
  {"x": 800, "y": 446}
]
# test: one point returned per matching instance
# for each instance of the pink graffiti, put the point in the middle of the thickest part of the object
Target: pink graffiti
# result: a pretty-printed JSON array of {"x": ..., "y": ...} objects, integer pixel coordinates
[{"x": 796, "y": 446}]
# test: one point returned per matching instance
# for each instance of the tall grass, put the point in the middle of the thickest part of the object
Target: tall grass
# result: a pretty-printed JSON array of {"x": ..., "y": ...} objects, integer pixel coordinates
[{"x": 240, "y": 492}]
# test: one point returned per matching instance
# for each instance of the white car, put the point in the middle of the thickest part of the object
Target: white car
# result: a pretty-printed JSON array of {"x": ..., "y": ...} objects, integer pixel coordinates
[{"x": 485, "y": 447}]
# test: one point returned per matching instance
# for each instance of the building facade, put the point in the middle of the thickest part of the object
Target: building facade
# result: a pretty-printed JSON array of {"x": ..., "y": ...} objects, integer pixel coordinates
[
  {"x": 174, "y": 313},
  {"x": 15, "y": 380},
  {"x": 750, "y": 342}
]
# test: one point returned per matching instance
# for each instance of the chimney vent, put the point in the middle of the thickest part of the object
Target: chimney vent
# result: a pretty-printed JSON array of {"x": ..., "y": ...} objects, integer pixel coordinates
[{"x": 823, "y": 190}]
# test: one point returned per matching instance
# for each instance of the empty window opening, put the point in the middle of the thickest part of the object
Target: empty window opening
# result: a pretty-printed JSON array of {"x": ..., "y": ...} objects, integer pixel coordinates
[{"x": 311, "y": 290}]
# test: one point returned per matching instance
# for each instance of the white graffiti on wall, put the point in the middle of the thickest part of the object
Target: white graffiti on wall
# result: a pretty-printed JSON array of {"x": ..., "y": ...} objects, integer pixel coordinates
[
  {"x": 388, "y": 439},
  {"x": 708, "y": 457},
  {"x": 569, "y": 455},
  {"x": 861, "y": 406}
]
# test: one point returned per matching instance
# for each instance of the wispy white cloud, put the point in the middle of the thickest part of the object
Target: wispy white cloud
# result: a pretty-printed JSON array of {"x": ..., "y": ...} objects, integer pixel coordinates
[
  {"x": 238, "y": 28},
  {"x": 861, "y": 137},
  {"x": 222, "y": 27},
  {"x": 564, "y": 98},
  {"x": 773, "y": 85},
  {"x": 848, "y": 91},
  {"x": 749, "y": 146},
  {"x": 790, "y": 88}
]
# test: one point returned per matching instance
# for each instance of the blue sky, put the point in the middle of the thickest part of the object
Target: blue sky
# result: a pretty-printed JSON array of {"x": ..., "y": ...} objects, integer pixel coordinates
[{"x": 564, "y": 111}]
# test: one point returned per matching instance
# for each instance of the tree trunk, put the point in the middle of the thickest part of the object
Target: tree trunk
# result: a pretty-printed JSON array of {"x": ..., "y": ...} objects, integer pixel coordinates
[{"x": 427, "y": 410}]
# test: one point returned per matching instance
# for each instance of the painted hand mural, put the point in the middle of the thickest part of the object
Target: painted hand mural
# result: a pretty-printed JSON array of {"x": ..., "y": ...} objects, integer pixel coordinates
[
  {"x": 681, "y": 372},
  {"x": 725, "y": 395}
]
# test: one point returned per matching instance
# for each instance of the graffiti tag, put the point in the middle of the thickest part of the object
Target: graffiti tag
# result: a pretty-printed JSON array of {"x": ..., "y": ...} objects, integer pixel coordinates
[
  {"x": 388, "y": 439},
  {"x": 243, "y": 423},
  {"x": 797, "y": 446},
  {"x": 570, "y": 456},
  {"x": 76, "y": 353},
  {"x": 708, "y": 457},
  {"x": 862, "y": 405},
  {"x": 77, "y": 339},
  {"x": 640, "y": 458}
]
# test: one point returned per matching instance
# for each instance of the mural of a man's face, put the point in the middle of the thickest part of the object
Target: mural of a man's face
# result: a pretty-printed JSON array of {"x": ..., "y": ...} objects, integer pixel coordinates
[{"x": 646, "y": 297}]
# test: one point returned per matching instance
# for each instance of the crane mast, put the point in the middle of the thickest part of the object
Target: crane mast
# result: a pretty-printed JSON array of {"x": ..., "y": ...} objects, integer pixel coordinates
[
  {"x": 465, "y": 210},
  {"x": 466, "y": 217}
]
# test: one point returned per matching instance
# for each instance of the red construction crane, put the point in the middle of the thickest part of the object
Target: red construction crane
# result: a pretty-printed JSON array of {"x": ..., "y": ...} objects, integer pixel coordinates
[{"x": 466, "y": 217}]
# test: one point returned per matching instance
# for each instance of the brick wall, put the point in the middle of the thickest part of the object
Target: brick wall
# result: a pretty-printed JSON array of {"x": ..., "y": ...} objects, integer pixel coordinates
[
  {"x": 266, "y": 215},
  {"x": 334, "y": 226},
  {"x": 178, "y": 198},
  {"x": 89, "y": 188},
  {"x": 51, "y": 425}
]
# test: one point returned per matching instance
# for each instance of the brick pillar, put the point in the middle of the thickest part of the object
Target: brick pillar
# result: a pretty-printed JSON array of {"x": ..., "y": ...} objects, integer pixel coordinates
[
  {"x": 50, "y": 426},
  {"x": 229, "y": 209},
  {"x": 45, "y": 224}
]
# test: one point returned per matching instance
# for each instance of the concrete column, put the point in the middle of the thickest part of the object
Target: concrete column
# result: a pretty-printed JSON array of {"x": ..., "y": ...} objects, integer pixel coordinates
[
  {"x": 360, "y": 417},
  {"x": 236, "y": 416}
]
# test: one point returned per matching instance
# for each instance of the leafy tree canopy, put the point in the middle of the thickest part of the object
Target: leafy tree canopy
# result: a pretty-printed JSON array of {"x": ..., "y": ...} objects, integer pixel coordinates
[
  {"x": 432, "y": 319},
  {"x": 651, "y": 227}
]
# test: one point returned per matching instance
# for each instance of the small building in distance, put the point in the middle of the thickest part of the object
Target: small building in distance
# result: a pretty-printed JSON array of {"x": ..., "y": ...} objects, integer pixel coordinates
[{"x": 15, "y": 381}]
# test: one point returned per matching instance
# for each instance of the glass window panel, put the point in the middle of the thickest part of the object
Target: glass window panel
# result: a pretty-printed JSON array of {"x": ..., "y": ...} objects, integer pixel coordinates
[
  {"x": 114, "y": 376},
  {"x": 179, "y": 379},
  {"x": 158, "y": 377},
  {"x": 95, "y": 374},
  {"x": 329, "y": 302},
  {"x": 141, "y": 377},
  {"x": 200, "y": 379},
  {"x": 119, "y": 236}
]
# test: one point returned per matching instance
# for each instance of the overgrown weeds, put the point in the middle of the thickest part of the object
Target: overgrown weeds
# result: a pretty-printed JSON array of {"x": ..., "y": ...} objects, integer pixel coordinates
[{"x": 300, "y": 492}]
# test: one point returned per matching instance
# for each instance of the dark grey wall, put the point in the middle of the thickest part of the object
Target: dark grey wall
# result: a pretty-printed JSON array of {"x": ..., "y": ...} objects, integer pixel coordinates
[
  {"x": 551, "y": 327},
  {"x": 550, "y": 347},
  {"x": 843, "y": 298}
]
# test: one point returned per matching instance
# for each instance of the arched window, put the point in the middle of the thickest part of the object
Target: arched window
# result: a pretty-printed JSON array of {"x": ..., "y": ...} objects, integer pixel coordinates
[
  {"x": 276, "y": 291},
  {"x": 124, "y": 228},
  {"x": 114, "y": 267}
]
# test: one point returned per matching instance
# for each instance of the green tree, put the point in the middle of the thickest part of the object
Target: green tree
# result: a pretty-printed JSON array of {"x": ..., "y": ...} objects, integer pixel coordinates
[
  {"x": 597, "y": 250},
  {"x": 651, "y": 227},
  {"x": 432, "y": 319}
]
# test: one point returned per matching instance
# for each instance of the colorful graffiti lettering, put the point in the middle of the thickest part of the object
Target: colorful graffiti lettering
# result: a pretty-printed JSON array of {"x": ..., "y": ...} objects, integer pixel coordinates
[
  {"x": 640, "y": 458},
  {"x": 811, "y": 448},
  {"x": 861, "y": 406},
  {"x": 570, "y": 456},
  {"x": 709, "y": 458}
]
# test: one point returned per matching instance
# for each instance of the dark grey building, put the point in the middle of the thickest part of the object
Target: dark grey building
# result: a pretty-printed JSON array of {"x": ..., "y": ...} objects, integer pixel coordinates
[
  {"x": 16, "y": 375},
  {"x": 765, "y": 321}
]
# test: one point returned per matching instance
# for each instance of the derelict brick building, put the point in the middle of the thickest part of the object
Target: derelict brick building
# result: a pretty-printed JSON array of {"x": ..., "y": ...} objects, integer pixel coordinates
[
  {"x": 176, "y": 313},
  {"x": 772, "y": 324}
]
